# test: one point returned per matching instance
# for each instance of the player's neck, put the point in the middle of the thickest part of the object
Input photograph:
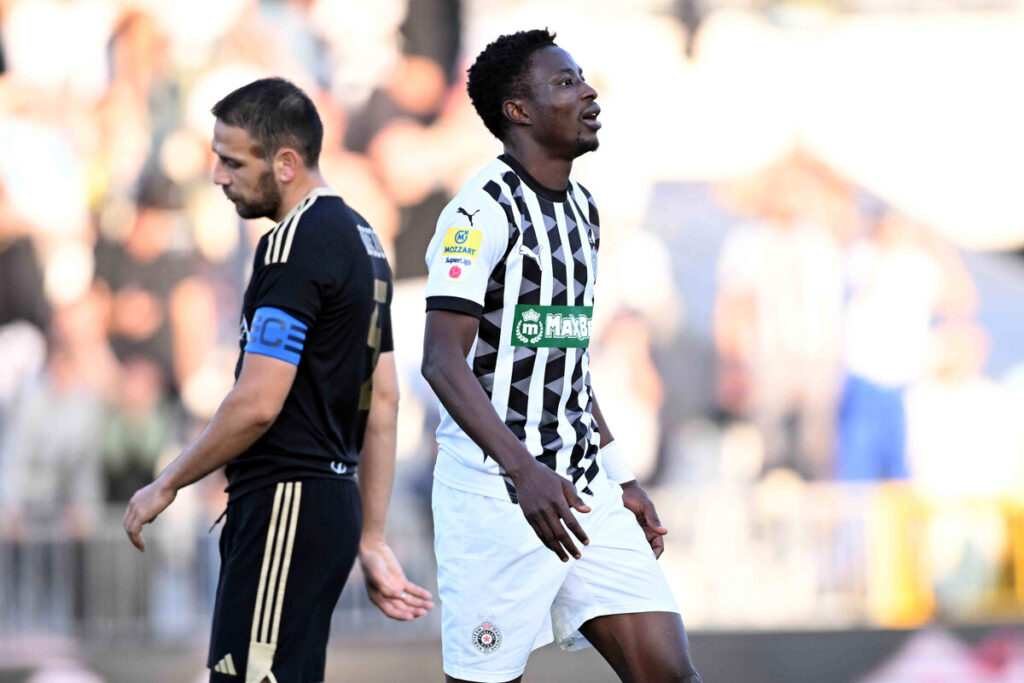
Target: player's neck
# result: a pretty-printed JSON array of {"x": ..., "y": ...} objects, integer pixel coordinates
[
  {"x": 549, "y": 171},
  {"x": 297, "y": 190}
]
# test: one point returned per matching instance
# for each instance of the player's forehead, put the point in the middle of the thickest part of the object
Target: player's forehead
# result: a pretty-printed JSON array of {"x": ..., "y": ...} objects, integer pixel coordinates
[
  {"x": 548, "y": 62},
  {"x": 232, "y": 141}
]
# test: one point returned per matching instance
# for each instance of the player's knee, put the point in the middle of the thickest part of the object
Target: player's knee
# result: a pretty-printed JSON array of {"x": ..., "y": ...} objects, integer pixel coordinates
[
  {"x": 666, "y": 672},
  {"x": 688, "y": 676}
]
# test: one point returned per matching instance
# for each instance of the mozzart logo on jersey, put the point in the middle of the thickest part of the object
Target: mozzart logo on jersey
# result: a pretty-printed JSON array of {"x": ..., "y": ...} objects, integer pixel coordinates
[
  {"x": 552, "y": 326},
  {"x": 462, "y": 242},
  {"x": 460, "y": 248}
]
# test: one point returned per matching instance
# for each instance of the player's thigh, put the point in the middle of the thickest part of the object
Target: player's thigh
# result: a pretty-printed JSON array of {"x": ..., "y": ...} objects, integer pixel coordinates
[
  {"x": 496, "y": 582},
  {"x": 645, "y": 646},
  {"x": 617, "y": 573},
  {"x": 291, "y": 550}
]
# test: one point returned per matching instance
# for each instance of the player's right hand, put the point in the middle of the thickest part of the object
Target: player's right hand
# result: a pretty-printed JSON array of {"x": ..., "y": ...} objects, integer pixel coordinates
[
  {"x": 145, "y": 505},
  {"x": 545, "y": 499},
  {"x": 396, "y": 596}
]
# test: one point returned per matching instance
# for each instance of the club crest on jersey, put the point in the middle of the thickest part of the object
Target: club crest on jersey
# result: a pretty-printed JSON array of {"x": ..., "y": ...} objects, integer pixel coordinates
[{"x": 486, "y": 638}]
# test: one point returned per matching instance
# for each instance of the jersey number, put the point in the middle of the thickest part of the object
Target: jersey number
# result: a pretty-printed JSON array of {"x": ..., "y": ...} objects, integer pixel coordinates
[{"x": 380, "y": 296}]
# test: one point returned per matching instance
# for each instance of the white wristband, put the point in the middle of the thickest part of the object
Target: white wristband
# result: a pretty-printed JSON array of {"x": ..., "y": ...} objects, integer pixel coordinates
[{"x": 615, "y": 464}]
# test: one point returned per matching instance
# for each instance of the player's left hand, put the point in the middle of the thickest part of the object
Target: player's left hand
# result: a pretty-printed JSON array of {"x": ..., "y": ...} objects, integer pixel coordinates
[
  {"x": 145, "y": 505},
  {"x": 635, "y": 500},
  {"x": 396, "y": 596}
]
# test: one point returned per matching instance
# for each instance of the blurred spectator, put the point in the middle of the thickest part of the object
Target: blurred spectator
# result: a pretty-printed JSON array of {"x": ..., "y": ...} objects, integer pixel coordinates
[
  {"x": 353, "y": 176},
  {"x": 51, "y": 449},
  {"x": 138, "y": 109},
  {"x": 51, "y": 473},
  {"x": 777, "y": 313},
  {"x": 21, "y": 277},
  {"x": 140, "y": 425},
  {"x": 899, "y": 278},
  {"x": 59, "y": 45},
  {"x": 631, "y": 392},
  {"x": 157, "y": 309},
  {"x": 433, "y": 29},
  {"x": 398, "y": 118},
  {"x": 961, "y": 433}
]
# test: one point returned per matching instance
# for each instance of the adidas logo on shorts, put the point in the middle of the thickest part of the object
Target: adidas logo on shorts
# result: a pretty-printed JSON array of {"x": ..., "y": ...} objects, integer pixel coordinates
[{"x": 226, "y": 666}]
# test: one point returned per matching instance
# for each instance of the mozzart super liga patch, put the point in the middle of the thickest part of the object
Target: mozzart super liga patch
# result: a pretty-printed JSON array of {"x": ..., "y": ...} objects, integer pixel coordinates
[
  {"x": 486, "y": 637},
  {"x": 552, "y": 326},
  {"x": 459, "y": 250}
]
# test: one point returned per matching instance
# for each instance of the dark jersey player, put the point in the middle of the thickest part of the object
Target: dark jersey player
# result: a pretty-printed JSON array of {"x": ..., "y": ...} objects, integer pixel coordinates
[{"x": 315, "y": 398}]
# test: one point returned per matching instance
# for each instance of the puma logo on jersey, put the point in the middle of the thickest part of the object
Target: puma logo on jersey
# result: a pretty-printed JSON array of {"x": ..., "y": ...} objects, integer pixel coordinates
[
  {"x": 526, "y": 251},
  {"x": 468, "y": 215},
  {"x": 339, "y": 467}
]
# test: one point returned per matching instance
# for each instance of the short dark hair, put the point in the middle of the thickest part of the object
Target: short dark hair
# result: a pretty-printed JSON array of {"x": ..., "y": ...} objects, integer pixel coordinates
[
  {"x": 275, "y": 113},
  {"x": 500, "y": 73}
]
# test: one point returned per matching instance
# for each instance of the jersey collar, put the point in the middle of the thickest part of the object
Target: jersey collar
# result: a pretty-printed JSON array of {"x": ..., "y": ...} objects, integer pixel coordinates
[
  {"x": 315, "y": 193},
  {"x": 531, "y": 182}
]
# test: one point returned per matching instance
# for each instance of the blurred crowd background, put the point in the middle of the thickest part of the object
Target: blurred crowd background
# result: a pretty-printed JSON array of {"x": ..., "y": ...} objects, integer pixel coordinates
[{"x": 810, "y": 312}]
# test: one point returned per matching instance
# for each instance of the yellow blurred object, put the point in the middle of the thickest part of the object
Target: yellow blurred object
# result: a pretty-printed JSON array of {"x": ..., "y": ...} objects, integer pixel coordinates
[{"x": 899, "y": 581}]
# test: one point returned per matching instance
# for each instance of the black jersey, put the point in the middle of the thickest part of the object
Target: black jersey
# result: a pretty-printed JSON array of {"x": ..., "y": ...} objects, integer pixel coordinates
[{"x": 319, "y": 297}]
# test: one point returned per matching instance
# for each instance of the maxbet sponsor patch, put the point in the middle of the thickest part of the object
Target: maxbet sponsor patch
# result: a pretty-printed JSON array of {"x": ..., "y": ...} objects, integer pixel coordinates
[{"x": 552, "y": 326}]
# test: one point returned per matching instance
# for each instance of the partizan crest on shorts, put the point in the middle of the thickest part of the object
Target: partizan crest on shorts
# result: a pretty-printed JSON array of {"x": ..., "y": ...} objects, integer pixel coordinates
[{"x": 486, "y": 637}]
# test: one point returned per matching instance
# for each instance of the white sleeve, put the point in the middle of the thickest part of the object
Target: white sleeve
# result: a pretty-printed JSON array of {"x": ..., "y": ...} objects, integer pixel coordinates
[{"x": 471, "y": 237}]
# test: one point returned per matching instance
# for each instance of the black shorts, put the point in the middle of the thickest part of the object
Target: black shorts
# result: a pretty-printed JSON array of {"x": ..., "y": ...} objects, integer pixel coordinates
[{"x": 286, "y": 551}]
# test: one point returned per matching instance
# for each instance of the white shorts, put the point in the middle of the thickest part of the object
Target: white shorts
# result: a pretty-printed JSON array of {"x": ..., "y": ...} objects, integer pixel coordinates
[{"x": 503, "y": 593}]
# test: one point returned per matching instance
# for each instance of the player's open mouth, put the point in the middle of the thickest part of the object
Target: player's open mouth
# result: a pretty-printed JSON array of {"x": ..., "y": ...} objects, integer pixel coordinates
[{"x": 590, "y": 117}]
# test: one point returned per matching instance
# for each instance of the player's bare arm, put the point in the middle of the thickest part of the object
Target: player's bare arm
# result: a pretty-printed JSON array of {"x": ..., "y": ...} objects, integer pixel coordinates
[
  {"x": 544, "y": 497},
  {"x": 248, "y": 411},
  {"x": 634, "y": 497},
  {"x": 394, "y": 595}
]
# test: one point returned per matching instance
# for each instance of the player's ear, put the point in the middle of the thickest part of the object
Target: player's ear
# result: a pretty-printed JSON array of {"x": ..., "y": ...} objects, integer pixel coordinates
[
  {"x": 287, "y": 163},
  {"x": 515, "y": 113}
]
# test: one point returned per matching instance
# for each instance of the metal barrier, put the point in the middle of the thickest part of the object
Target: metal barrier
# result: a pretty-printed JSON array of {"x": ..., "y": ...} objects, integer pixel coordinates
[
  {"x": 774, "y": 555},
  {"x": 101, "y": 588}
]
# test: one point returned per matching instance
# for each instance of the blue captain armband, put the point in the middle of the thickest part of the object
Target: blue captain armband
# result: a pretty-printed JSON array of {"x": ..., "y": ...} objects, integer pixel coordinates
[{"x": 276, "y": 334}]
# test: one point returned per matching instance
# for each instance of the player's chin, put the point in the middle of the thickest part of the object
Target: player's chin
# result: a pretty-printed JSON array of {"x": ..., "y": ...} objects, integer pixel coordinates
[
  {"x": 587, "y": 142},
  {"x": 251, "y": 211}
]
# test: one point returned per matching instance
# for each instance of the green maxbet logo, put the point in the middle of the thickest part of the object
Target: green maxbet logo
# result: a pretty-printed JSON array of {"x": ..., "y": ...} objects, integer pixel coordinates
[{"x": 552, "y": 326}]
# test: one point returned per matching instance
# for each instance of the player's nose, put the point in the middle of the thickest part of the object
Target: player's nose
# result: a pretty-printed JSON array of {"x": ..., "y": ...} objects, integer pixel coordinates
[{"x": 220, "y": 174}]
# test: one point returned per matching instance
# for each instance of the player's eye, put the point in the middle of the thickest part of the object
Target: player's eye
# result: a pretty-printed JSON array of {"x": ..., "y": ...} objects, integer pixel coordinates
[{"x": 566, "y": 81}]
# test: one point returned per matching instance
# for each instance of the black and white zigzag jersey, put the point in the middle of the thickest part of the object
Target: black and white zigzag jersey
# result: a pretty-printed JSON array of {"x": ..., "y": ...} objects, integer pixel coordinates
[{"x": 523, "y": 259}]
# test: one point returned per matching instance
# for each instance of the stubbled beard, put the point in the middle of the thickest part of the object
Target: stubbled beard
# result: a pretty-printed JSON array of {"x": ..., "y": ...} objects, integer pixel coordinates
[
  {"x": 589, "y": 145},
  {"x": 584, "y": 145},
  {"x": 266, "y": 202}
]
